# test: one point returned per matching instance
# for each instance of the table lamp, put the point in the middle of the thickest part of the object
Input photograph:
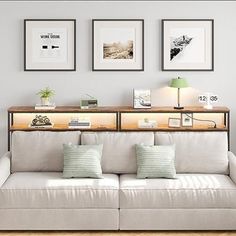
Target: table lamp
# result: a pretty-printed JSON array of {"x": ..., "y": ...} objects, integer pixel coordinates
[{"x": 178, "y": 83}]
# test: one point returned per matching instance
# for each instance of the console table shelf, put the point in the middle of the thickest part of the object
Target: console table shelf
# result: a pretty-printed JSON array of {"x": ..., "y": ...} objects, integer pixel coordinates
[
  {"x": 166, "y": 128},
  {"x": 166, "y": 109},
  {"x": 59, "y": 127},
  {"x": 65, "y": 109},
  {"x": 118, "y": 118},
  {"x": 60, "y": 109}
]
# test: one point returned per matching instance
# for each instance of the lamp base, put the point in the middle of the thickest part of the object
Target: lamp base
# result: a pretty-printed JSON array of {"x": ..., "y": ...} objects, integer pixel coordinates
[{"x": 178, "y": 107}]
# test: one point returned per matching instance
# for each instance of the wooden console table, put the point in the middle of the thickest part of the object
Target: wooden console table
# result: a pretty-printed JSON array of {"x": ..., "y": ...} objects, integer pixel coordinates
[{"x": 118, "y": 118}]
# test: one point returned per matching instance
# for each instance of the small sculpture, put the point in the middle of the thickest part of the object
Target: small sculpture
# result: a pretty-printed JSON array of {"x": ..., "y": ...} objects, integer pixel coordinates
[{"x": 40, "y": 120}]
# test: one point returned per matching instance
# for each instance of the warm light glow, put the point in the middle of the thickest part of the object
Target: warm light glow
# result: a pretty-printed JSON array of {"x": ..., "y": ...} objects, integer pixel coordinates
[
  {"x": 103, "y": 119},
  {"x": 131, "y": 119},
  {"x": 168, "y": 95}
]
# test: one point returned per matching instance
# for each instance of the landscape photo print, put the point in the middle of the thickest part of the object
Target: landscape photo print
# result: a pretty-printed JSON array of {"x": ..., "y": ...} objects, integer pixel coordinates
[
  {"x": 187, "y": 45},
  {"x": 118, "y": 45}
]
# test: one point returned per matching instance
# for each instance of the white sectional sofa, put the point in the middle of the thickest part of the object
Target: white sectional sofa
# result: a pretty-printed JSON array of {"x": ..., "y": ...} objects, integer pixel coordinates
[{"x": 34, "y": 196}]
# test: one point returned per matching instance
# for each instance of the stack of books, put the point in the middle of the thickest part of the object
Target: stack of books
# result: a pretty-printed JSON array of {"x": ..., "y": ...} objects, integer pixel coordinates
[
  {"x": 41, "y": 126},
  {"x": 79, "y": 124},
  {"x": 45, "y": 107}
]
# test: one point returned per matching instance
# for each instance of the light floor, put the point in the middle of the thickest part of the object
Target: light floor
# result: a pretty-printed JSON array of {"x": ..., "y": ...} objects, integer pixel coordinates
[{"x": 114, "y": 233}]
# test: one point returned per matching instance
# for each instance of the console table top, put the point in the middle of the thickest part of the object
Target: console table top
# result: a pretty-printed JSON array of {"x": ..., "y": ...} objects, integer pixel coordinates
[{"x": 120, "y": 109}]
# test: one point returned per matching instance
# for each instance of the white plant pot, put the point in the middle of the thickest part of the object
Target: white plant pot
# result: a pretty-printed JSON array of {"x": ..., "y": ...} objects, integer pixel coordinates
[{"x": 45, "y": 101}]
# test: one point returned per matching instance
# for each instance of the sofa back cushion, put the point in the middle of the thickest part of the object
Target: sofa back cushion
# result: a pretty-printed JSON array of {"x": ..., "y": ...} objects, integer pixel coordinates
[
  {"x": 118, "y": 148},
  {"x": 197, "y": 152},
  {"x": 40, "y": 150}
]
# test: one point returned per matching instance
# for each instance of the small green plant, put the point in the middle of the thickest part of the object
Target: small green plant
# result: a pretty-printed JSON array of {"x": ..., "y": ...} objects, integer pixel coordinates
[{"x": 46, "y": 93}]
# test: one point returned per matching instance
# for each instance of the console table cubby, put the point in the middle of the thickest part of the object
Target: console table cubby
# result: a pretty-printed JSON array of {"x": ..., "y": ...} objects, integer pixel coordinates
[{"x": 118, "y": 118}]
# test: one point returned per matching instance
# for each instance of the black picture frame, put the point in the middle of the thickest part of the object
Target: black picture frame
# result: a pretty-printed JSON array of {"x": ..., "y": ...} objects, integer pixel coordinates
[
  {"x": 164, "y": 67},
  {"x": 93, "y": 43},
  {"x": 73, "y": 68}
]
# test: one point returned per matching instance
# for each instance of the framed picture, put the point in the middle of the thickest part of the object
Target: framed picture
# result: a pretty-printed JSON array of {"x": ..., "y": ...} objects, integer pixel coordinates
[
  {"x": 49, "y": 45},
  {"x": 142, "y": 98},
  {"x": 118, "y": 45},
  {"x": 188, "y": 45},
  {"x": 187, "y": 119},
  {"x": 174, "y": 122}
]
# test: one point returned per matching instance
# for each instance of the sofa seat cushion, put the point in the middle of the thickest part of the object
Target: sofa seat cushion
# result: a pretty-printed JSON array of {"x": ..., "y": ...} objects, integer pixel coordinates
[
  {"x": 30, "y": 190},
  {"x": 187, "y": 191}
]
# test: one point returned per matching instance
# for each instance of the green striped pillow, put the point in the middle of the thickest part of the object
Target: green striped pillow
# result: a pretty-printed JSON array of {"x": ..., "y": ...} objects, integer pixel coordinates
[
  {"x": 82, "y": 161},
  {"x": 155, "y": 161}
]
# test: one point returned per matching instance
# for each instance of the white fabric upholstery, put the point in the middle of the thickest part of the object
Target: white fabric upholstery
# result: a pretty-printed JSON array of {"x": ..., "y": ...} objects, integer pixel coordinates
[
  {"x": 35, "y": 200},
  {"x": 187, "y": 191},
  {"x": 59, "y": 219},
  {"x": 232, "y": 166},
  {"x": 49, "y": 190},
  {"x": 4, "y": 167},
  {"x": 40, "y": 150},
  {"x": 118, "y": 148},
  {"x": 198, "y": 152},
  {"x": 177, "y": 219}
]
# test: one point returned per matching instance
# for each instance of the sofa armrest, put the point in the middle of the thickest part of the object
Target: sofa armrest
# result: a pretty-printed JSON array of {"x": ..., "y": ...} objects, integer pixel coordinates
[
  {"x": 232, "y": 166},
  {"x": 5, "y": 167}
]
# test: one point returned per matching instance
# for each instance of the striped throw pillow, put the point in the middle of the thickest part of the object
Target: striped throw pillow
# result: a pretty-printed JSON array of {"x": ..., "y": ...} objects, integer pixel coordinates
[
  {"x": 155, "y": 161},
  {"x": 82, "y": 161}
]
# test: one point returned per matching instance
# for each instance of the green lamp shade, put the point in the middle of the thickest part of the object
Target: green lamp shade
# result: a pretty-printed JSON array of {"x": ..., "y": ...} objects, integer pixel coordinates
[{"x": 178, "y": 83}]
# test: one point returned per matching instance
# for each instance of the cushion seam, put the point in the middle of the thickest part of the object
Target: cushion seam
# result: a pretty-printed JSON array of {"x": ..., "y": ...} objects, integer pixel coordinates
[
  {"x": 179, "y": 189},
  {"x": 57, "y": 189}
]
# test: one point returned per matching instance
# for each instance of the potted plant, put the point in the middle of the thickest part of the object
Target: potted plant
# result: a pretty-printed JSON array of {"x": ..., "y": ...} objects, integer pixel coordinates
[{"x": 45, "y": 95}]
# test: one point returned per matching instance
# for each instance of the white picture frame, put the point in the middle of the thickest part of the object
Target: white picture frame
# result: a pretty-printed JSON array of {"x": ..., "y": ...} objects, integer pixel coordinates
[
  {"x": 142, "y": 98},
  {"x": 174, "y": 122},
  {"x": 118, "y": 45},
  {"x": 187, "y": 119},
  {"x": 187, "y": 44},
  {"x": 49, "y": 45}
]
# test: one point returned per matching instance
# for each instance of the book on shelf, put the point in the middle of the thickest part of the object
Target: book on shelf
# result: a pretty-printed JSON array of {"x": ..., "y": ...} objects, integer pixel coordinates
[
  {"x": 79, "y": 124},
  {"x": 79, "y": 127},
  {"x": 45, "y": 107}
]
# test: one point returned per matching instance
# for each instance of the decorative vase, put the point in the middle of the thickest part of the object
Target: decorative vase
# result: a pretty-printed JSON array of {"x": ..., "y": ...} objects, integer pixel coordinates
[{"x": 45, "y": 101}]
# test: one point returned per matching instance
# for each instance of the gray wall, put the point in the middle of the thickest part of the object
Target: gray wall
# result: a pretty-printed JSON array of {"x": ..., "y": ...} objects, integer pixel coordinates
[{"x": 114, "y": 88}]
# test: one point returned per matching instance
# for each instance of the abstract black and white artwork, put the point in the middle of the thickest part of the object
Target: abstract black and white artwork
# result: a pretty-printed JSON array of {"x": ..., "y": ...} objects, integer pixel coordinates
[
  {"x": 49, "y": 45},
  {"x": 118, "y": 45},
  {"x": 178, "y": 45},
  {"x": 187, "y": 45}
]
